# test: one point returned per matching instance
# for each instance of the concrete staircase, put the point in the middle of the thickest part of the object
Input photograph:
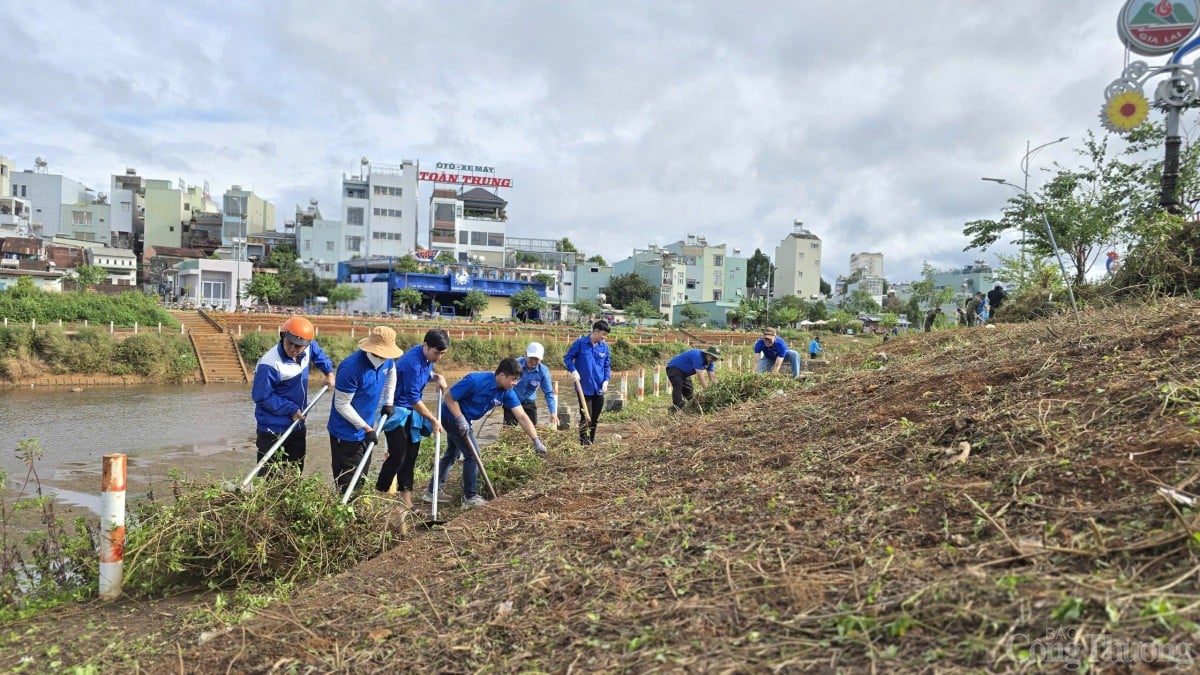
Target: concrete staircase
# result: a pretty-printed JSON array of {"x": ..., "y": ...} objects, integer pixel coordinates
[{"x": 216, "y": 349}]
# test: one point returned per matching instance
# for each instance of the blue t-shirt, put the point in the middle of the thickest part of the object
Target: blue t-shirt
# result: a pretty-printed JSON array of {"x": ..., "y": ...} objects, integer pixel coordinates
[
  {"x": 771, "y": 350},
  {"x": 357, "y": 376},
  {"x": 532, "y": 380},
  {"x": 477, "y": 393},
  {"x": 814, "y": 347},
  {"x": 592, "y": 361},
  {"x": 690, "y": 361},
  {"x": 413, "y": 372}
]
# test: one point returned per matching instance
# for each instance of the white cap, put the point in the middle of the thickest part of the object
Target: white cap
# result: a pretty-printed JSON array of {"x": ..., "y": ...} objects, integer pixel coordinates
[{"x": 535, "y": 350}]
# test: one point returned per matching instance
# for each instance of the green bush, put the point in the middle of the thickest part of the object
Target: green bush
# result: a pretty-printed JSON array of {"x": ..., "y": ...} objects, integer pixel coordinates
[
  {"x": 126, "y": 309},
  {"x": 16, "y": 340},
  {"x": 254, "y": 345}
]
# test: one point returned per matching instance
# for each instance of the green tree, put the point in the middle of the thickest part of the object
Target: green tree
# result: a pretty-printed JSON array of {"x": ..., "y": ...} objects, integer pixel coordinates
[
  {"x": 544, "y": 279},
  {"x": 475, "y": 301},
  {"x": 565, "y": 246},
  {"x": 445, "y": 257},
  {"x": 587, "y": 308},
  {"x": 624, "y": 289},
  {"x": 692, "y": 315},
  {"x": 407, "y": 299},
  {"x": 264, "y": 287},
  {"x": 525, "y": 302},
  {"x": 407, "y": 264},
  {"x": 860, "y": 301},
  {"x": 817, "y": 311},
  {"x": 90, "y": 276},
  {"x": 599, "y": 260},
  {"x": 1087, "y": 208},
  {"x": 826, "y": 289},
  {"x": 926, "y": 294},
  {"x": 786, "y": 311},
  {"x": 282, "y": 257},
  {"x": 758, "y": 270},
  {"x": 640, "y": 309},
  {"x": 341, "y": 294}
]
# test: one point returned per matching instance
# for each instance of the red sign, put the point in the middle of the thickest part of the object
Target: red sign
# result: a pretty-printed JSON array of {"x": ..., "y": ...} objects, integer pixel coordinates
[
  {"x": 426, "y": 254},
  {"x": 463, "y": 179}
]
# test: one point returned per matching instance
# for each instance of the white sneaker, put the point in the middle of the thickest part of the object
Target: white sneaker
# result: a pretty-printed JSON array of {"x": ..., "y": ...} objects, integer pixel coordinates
[
  {"x": 473, "y": 502},
  {"x": 428, "y": 496}
]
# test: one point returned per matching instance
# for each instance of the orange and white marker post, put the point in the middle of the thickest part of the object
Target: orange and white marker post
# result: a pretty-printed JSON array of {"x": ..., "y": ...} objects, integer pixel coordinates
[
  {"x": 624, "y": 386},
  {"x": 112, "y": 526},
  {"x": 657, "y": 382},
  {"x": 642, "y": 384}
]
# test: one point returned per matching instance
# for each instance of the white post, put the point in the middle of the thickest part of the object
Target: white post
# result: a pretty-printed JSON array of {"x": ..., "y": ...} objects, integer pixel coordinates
[
  {"x": 112, "y": 526},
  {"x": 657, "y": 381},
  {"x": 85, "y": 323},
  {"x": 239, "y": 330},
  {"x": 351, "y": 332},
  {"x": 624, "y": 386},
  {"x": 33, "y": 324},
  {"x": 160, "y": 328},
  {"x": 135, "y": 327},
  {"x": 182, "y": 329},
  {"x": 110, "y": 327},
  {"x": 642, "y": 384},
  {"x": 60, "y": 323}
]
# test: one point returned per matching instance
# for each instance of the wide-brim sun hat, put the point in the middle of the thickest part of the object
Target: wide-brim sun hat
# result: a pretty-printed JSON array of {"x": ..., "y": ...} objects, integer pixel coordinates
[
  {"x": 713, "y": 351},
  {"x": 381, "y": 342}
]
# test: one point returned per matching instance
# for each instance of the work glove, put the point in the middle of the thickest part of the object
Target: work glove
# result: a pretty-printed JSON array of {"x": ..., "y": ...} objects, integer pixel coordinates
[
  {"x": 464, "y": 427},
  {"x": 575, "y": 375},
  {"x": 539, "y": 447},
  {"x": 388, "y": 410},
  {"x": 604, "y": 387},
  {"x": 371, "y": 437}
]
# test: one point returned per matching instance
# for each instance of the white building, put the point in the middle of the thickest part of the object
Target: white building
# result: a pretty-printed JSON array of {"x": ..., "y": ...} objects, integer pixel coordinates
[
  {"x": 126, "y": 222},
  {"x": 317, "y": 241},
  {"x": 798, "y": 264},
  {"x": 87, "y": 221},
  {"x": 119, "y": 263},
  {"x": 379, "y": 211},
  {"x": 869, "y": 264},
  {"x": 47, "y": 192},
  {"x": 212, "y": 282}
]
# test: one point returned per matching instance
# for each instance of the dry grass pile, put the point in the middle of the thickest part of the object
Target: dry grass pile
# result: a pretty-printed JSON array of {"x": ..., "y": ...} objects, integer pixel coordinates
[{"x": 992, "y": 499}]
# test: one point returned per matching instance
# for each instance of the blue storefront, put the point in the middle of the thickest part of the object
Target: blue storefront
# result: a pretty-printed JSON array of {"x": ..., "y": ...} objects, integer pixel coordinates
[{"x": 442, "y": 290}]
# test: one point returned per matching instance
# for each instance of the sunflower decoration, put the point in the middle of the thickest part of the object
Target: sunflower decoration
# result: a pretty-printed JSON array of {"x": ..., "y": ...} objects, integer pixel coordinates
[{"x": 1125, "y": 111}]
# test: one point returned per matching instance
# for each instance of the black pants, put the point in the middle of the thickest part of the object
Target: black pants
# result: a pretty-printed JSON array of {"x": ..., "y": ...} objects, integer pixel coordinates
[
  {"x": 681, "y": 387},
  {"x": 345, "y": 456},
  {"x": 401, "y": 459},
  {"x": 292, "y": 450},
  {"x": 530, "y": 408},
  {"x": 587, "y": 430}
]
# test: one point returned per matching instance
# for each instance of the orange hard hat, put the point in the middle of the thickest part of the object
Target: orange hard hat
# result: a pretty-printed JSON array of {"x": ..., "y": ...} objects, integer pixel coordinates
[{"x": 297, "y": 330}]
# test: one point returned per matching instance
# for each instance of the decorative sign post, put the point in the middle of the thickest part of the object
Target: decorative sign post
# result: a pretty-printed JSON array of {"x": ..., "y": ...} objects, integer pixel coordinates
[{"x": 1152, "y": 29}]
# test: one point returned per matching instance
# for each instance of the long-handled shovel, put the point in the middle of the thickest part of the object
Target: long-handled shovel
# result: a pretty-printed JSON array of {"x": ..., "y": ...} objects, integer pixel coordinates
[
  {"x": 479, "y": 461},
  {"x": 437, "y": 464},
  {"x": 362, "y": 463},
  {"x": 583, "y": 405},
  {"x": 279, "y": 443}
]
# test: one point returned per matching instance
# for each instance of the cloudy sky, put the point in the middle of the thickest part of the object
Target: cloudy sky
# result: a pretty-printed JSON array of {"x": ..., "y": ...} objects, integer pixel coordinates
[{"x": 621, "y": 123}]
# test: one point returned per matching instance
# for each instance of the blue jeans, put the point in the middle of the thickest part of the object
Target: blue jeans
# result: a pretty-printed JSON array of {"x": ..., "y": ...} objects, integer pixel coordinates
[
  {"x": 791, "y": 358},
  {"x": 455, "y": 447}
]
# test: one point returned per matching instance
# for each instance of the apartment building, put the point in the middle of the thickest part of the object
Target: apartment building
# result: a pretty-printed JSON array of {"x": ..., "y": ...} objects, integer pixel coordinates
[{"x": 798, "y": 264}]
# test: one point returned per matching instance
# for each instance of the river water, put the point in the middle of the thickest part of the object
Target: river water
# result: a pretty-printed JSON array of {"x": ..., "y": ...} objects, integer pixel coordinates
[{"x": 200, "y": 429}]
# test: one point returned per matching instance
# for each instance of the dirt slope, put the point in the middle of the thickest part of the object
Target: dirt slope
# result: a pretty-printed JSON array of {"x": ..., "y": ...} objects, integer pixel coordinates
[{"x": 988, "y": 497}]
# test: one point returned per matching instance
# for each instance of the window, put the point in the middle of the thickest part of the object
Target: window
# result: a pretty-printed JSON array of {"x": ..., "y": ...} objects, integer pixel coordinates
[
  {"x": 718, "y": 261},
  {"x": 664, "y": 299},
  {"x": 329, "y": 246},
  {"x": 479, "y": 238},
  {"x": 125, "y": 206},
  {"x": 443, "y": 212},
  {"x": 378, "y": 211},
  {"x": 308, "y": 245},
  {"x": 354, "y": 216},
  {"x": 353, "y": 243},
  {"x": 81, "y": 217},
  {"x": 691, "y": 284},
  {"x": 716, "y": 295},
  {"x": 495, "y": 239}
]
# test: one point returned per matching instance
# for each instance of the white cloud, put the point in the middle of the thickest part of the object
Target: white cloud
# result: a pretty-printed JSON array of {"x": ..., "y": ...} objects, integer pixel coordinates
[{"x": 621, "y": 123}]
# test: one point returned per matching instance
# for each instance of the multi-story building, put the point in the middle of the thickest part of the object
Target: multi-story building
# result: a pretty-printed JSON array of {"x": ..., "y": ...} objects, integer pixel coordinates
[
  {"x": 14, "y": 211},
  {"x": 379, "y": 211},
  {"x": 87, "y": 221},
  {"x": 164, "y": 214},
  {"x": 798, "y": 264},
  {"x": 120, "y": 264},
  {"x": 127, "y": 219},
  {"x": 867, "y": 264},
  {"x": 6, "y": 169},
  {"x": 47, "y": 192},
  {"x": 964, "y": 282},
  {"x": 317, "y": 241},
  {"x": 591, "y": 279},
  {"x": 245, "y": 213},
  {"x": 663, "y": 270},
  {"x": 469, "y": 225},
  {"x": 710, "y": 274}
]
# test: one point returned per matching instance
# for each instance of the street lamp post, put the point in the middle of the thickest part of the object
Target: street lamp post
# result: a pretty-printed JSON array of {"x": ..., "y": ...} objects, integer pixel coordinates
[
  {"x": 1053, "y": 244},
  {"x": 1029, "y": 153}
]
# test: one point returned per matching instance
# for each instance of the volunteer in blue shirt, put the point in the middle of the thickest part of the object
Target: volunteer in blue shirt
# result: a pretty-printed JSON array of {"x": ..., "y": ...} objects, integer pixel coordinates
[
  {"x": 775, "y": 353},
  {"x": 814, "y": 348},
  {"x": 280, "y": 391},
  {"x": 534, "y": 375},
  {"x": 408, "y": 417},
  {"x": 468, "y": 400},
  {"x": 590, "y": 364},
  {"x": 701, "y": 363},
  {"x": 364, "y": 378}
]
